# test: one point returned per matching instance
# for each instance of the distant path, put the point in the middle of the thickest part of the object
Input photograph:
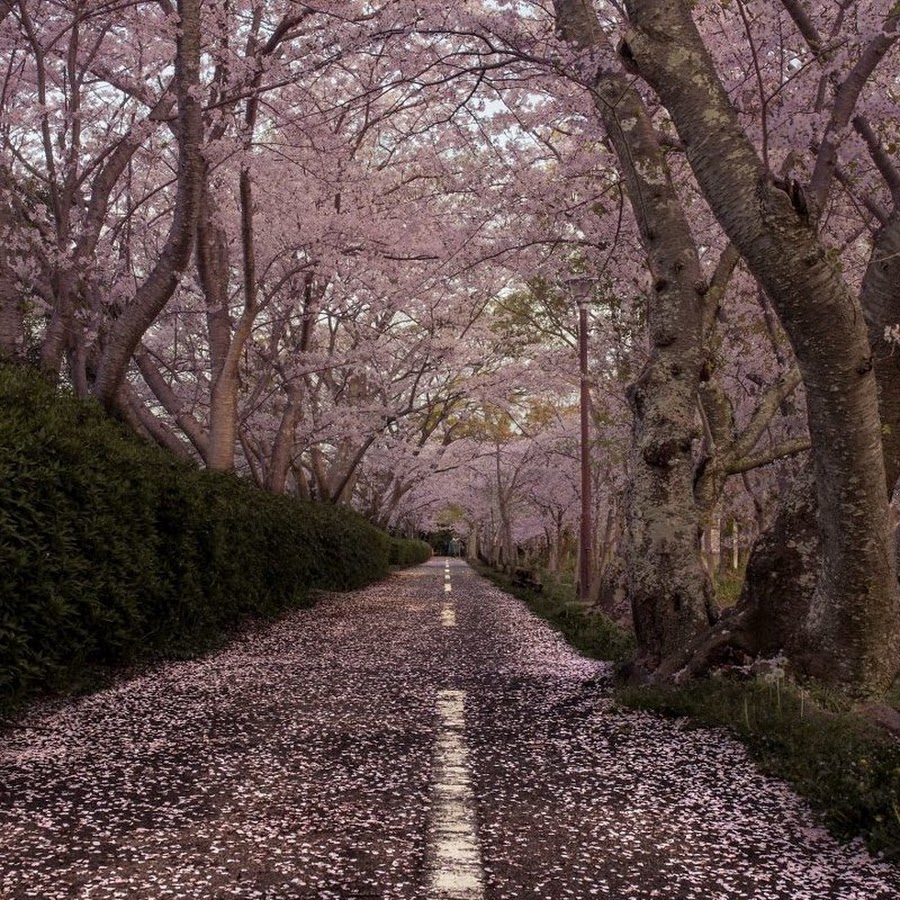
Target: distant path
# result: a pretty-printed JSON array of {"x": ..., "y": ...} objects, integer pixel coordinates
[{"x": 405, "y": 741}]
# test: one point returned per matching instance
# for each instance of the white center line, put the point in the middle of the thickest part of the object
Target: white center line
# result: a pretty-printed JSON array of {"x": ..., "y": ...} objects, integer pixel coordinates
[
  {"x": 456, "y": 871},
  {"x": 448, "y": 617},
  {"x": 448, "y": 588}
]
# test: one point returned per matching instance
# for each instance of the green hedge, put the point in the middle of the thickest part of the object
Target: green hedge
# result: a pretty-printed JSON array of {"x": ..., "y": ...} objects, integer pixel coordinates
[
  {"x": 405, "y": 552},
  {"x": 112, "y": 551}
]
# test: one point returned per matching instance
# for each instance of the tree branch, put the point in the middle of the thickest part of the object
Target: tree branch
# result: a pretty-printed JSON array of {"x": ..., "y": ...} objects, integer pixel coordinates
[{"x": 769, "y": 455}]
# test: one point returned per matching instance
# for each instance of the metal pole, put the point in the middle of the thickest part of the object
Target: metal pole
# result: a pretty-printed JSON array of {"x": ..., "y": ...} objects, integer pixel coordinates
[{"x": 586, "y": 537}]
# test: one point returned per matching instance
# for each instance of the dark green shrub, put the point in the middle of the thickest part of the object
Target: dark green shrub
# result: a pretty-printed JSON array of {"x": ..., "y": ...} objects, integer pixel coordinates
[
  {"x": 112, "y": 551},
  {"x": 406, "y": 552}
]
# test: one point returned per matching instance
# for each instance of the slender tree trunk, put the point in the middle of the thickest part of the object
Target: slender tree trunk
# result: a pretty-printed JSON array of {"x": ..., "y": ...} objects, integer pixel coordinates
[
  {"x": 171, "y": 402},
  {"x": 143, "y": 422},
  {"x": 853, "y": 622},
  {"x": 12, "y": 312},
  {"x": 127, "y": 330},
  {"x": 280, "y": 463}
]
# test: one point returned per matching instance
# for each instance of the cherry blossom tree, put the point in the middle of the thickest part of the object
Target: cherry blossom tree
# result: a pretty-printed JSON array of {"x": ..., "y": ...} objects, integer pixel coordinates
[
  {"x": 327, "y": 246},
  {"x": 852, "y": 625}
]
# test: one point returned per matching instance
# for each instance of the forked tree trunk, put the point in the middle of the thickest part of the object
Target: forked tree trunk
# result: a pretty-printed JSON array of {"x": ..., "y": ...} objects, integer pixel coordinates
[
  {"x": 213, "y": 266},
  {"x": 670, "y": 592},
  {"x": 152, "y": 295},
  {"x": 854, "y": 618}
]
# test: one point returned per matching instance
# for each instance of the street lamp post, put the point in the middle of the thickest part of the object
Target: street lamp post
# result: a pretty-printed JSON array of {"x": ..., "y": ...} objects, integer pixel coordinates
[{"x": 580, "y": 288}]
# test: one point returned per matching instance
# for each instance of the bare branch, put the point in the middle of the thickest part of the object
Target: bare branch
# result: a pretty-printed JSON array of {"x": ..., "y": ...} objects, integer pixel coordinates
[
  {"x": 776, "y": 394},
  {"x": 768, "y": 456}
]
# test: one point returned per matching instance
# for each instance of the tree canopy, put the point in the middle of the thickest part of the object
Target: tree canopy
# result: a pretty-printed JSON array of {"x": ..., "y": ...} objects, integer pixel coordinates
[{"x": 334, "y": 247}]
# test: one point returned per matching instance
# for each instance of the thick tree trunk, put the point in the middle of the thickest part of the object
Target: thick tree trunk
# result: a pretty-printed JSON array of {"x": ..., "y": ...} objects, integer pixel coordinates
[
  {"x": 880, "y": 298},
  {"x": 854, "y": 617},
  {"x": 670, "y": 592},
  {"x": 612, "y": 593},
  {"x": 781, "y": 573},
  {"x": 223, "y": 420}
]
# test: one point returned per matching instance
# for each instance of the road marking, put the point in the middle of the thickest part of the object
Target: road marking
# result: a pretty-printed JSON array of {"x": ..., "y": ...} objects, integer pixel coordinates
[
  {"x": 446, "y": 576},
  {"x": 448, "y": 588},
  {"x": 448, "y": 617},
  {"x": 456, "y": 871}
]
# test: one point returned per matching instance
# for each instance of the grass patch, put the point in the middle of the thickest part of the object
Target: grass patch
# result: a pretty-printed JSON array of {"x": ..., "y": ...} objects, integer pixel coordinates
[
  {"x": 591, "y": 633},
  {"x": 728, "y": 587},
  {"x": 847, "y": 769}
]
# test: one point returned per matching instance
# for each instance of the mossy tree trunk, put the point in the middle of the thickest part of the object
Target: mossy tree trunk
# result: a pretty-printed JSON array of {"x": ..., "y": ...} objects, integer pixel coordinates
[
  {"x": 853, "y": 622},
  {"x": 670, "y": 592}
]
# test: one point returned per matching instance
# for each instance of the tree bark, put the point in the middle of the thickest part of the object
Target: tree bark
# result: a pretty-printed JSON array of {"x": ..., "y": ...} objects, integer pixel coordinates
[
  {"x": 780, "y": 579},
  {"x": 12, "y": 307},
  {"x": 670, "y": 592},
  {"x": 171, "y": 402},
  {"x": 853, "y": 622},
  {"x": 126, "y": 332},
  {"x": 880, "y": 298},
  {"x": 283, "y": 446}
]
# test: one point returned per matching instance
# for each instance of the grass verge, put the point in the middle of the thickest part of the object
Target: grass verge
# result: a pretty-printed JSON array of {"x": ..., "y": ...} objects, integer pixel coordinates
[
  {"x": 591, "y": 633},
  {"x": 847, "y": 769}
]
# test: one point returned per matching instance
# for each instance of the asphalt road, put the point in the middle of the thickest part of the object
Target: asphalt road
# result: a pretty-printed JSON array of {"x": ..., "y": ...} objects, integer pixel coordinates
[{"x": 425, "y": 738}]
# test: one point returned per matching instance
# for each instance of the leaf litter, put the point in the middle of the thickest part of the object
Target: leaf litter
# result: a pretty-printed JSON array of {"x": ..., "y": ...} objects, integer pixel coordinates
[{"x": 298, "y": 764}]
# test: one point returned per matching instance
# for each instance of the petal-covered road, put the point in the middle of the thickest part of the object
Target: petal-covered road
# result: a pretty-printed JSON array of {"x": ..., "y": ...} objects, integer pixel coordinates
[{"x": 425, "y": 738}]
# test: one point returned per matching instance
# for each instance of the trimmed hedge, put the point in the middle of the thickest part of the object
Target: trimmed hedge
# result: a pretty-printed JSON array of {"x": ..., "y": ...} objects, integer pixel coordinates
[
  {"x": 406, "y": 552},
  {"x": 112, "y": 551}
]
